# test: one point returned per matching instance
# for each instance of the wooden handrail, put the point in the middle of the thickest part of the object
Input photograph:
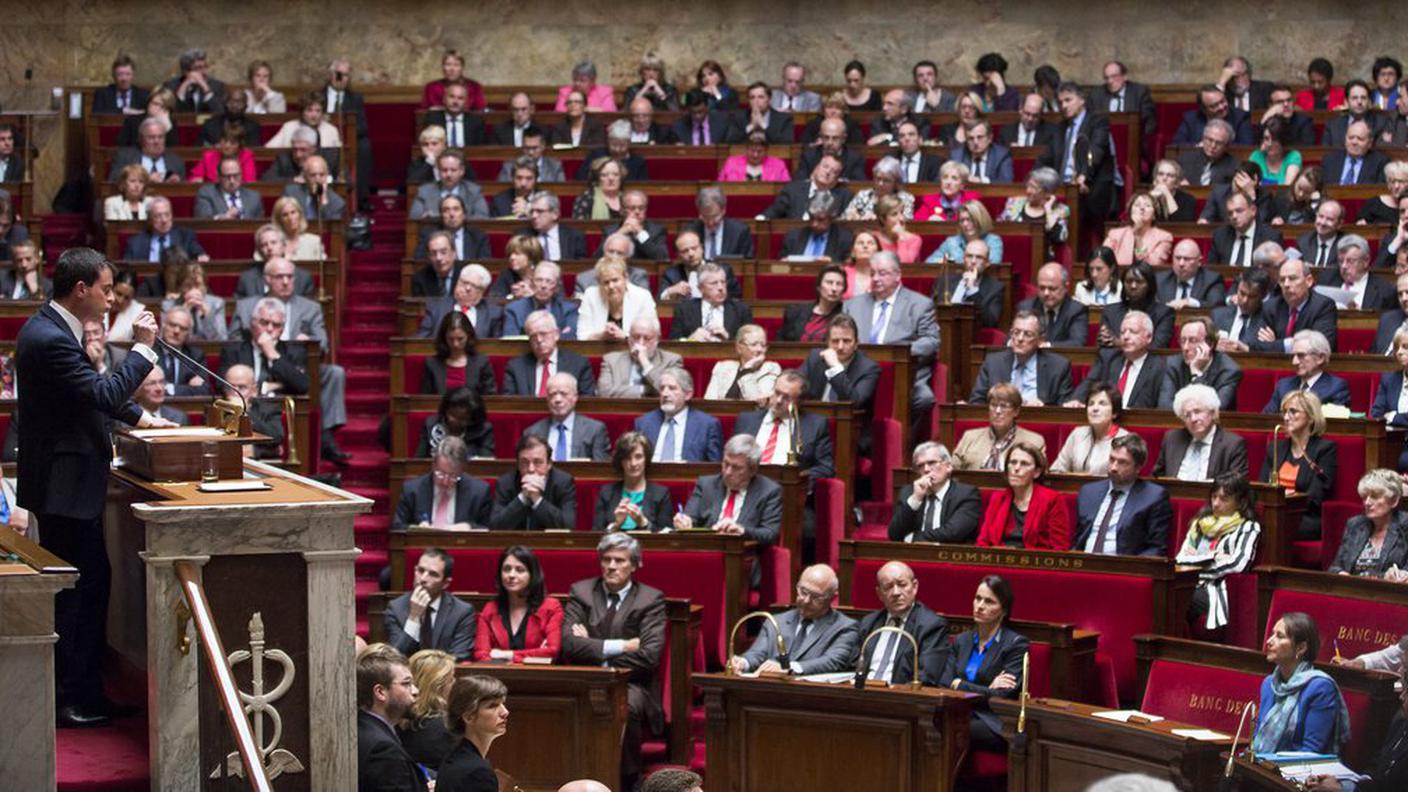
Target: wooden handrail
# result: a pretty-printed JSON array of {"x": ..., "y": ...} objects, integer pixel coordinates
[{"x": 250, "y": 754}]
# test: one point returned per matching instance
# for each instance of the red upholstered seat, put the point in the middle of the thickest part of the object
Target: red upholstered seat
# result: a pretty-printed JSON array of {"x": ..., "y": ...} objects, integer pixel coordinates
[
  {"x": 1358, "y": 625},
  {"x": 985, "y": 764},
  {"x": 830, "y": 499},
  {"x": 1354, "y": 339},
  {"x": 1333, "y": 516}
]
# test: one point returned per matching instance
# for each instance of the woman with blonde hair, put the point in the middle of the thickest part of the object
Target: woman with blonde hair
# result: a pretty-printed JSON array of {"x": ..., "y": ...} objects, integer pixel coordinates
[
  {"x": 424, "y": 732},
  {"x": 892, "y": 234},
  {"x": 131, "y": 200},
  {"x": 1303, "y": 460},
  {"x": 299, "y": 245},
  {"x": 611, "y": 305},
  {"x": 952, "y": 196},
  {"x": 160, "y": 105},
  {"x": 752, "y": 375},
  {"x": 974, "y": 222}
]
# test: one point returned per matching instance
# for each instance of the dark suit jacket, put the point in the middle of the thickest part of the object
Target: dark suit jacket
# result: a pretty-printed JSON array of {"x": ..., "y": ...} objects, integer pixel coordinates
[
  {"x": 1207, "y": 288},
  {"x": 488, "y": 322},
  {"x": 1145, "y": 517},
  {"x": 589, "y": 437},
  {"x": 852, "y": 165},
  {"x": 1215, "y": 208},
  {"x": 282, "y": 169},
  {"x": 426, "y": 282},
  {"x": 572, "y": 241},
  {"x": 471, "y": 126},
  {"x": 1336, "y": 129},
  {"x": 14, "y": 168},
  {"x": 139, "y": 246},
  {"x": 382, "y": 763},
  {"x": 133, "y": 156},
  {"x": 855, "y": 383},
  {"x": 453, "y": 629},
  {"x": 518, "y": 375},
  {"x": 791, "y": 201},
  {"x": 838, "y": 242},
  {"x": 814, "y": 435},
  {"x": 105, "y": 99},
  {"x": 417, "y": 503},
  {"x": 478, "y": 375},
  {"x": 960, "y": 515},
  {"x": 1315, "y": 475},
  {"x": 593, "y": 133},
  {"x": 676, "y": 273},
  {"x": 1379, "y": 293},
  {"x": 930, "y": 631},
  {"x": 795, "y": 318},
  {"x": 1308, "y": 244},
  {"x": 883, "y": 126},
  {"x": 1137, "y": 99},
  {"x": 1222, "y": 375},
  {"x": 1389, "y": 322},
  {"x": 1072, "y": 325},
  {"x": 1386, "y": 398},
  {"x": 1094, "y": 158},
  {"x": 1371, "y": 170},
  {"x": 516, "y": 315},
  {"x": 658, "y": 506},
  {"x": 636, "y": 169},
  {"x": 1190, "y": 129},
  {"x": 1144, "y": 394},
  {"x": 1356, "y": 535},
  {"x": 997, "y": 163},
  {"x": 1228, "y": 454},
  {"x": 289, "y": 370},
  {"x": 703, "y": 434},
  {"x": 1192, "y": 161},
  {"x": 7, "y": 286},
  {"x": 737, "y": 242},
  {"x": 501, "y": 205},
  {"x": 465, "y": 770},
  {"x": 1047, "y": 134},
  {"x": 1053, "y": 376},
  {"x": 1330, "y": 389},
  {"x": 689, "y": 316},
  {"x": 1224, "y": 315},
  {"x": 557, "y": 509},
  {"x": 64, "y": 449},
  {"x": 640, "y": 615},
  {"x": 1224, "y": 240},
  {"x": 989, "y": 300},
  {"x": 179, "y": 374},
  {"x": 475, "y": 243},
  {"x": 722, "y": 129},
  {"x": 1004, "y": 654},
  {"x": 761, "y": 516},
  {"x": 655, "y": 247},
  {"x": 929, "y": 165},
  {"x": 1317, "y": 313}
]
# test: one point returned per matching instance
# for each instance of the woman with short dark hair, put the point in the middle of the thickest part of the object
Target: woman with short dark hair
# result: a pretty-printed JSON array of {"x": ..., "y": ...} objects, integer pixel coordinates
[
  {"x": 461, "y": 415},
  {"x": 988, "y": 660},
  {"x": 522, "y": 620},
  {"x": 1221, "y": 541},
  {"x": 477, "y": 712},
  {"x": 809, "y": 321},
  {"x": 634, "y": 503}
]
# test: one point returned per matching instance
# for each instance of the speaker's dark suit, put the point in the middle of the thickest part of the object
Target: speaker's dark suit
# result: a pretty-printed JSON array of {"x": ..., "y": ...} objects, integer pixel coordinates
[{"x": 417, "y": 504}]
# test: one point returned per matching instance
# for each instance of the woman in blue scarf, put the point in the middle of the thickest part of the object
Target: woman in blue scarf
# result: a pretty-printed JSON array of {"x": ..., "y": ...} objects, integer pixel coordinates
[{"x": 1301, "y": 706}]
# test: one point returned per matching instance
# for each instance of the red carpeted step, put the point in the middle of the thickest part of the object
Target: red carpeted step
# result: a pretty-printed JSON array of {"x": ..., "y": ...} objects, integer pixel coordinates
[
  {"x": 363, "y": 355},
  {"x": 377, "y": 494},
  {"x": 369, "y": 335},
  {"x": 368, "y": 379},
  {"x": 370, "y": 563},
  {"x": 112, "y": 758},
  {"x": 359, "y": 433}
]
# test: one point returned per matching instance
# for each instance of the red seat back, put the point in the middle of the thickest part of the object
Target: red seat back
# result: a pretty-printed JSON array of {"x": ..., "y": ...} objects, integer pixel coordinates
[{"x": 1354, "y": 625}]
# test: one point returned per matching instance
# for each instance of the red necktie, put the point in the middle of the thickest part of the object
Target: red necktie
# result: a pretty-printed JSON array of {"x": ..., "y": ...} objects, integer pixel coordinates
[
  {"x": 728, "y": 504},
  {"x": 543, "y": 384},
  {"x": 1124, "y": 377},
  {"x": 772, "y": 443},
  {"x": 1291, "y": 325}
]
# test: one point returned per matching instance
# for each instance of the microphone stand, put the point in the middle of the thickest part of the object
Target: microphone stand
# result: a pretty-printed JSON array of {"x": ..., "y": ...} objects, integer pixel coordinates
[
  {"x": 782, "y": 658},
  {"x": 240, "y": 411},
  {"x": 1227, "y": 784},
  {"x": 861, "y": 669}
]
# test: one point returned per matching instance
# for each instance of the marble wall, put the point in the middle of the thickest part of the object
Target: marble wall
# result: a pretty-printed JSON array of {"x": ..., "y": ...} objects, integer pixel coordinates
[{"x": 65, "y": 42}]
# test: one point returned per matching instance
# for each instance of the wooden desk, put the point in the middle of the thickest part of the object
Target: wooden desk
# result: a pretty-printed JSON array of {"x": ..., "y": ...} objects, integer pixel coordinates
[
  {"x": 780, "y": 734},
  {"x": 1259, "y": 777},
  {"x": 1068, "y": 749},
  {"x": 566, "y": 722}
]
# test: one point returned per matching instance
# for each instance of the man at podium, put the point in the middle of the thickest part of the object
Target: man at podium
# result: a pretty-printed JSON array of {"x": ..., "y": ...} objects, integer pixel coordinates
[{"x": 64, "y": 457}]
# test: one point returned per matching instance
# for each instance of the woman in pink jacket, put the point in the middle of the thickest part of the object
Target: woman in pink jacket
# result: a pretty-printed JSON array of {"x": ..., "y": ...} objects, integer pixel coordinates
[
  {"x": 600, "y": 98},
  {"x": 1140, "y": 240},
  {"x": 754, "y": 164}
]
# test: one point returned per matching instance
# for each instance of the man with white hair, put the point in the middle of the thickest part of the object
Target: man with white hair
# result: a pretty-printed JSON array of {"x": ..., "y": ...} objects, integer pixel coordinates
[
  {"x": 635, "y": 372},
  {"x": 936, "y": 507},
  {"x": 1209, "y": 164},
  {"x": 528, "y": 374},
  {"x": 1357, "y": 162},
  {"x": 1366, "y": 292},
  {"x": 569, "y": 435},
  {"x": 151, "y": 398},
  {"x": 279, "y": 369},
  {"x": 793, "y": 96},
  {"x": 288, "y": 164},
  {"x": 713, "y": 315},
  {"x": 467, "y": 298},
  {"x": 161, "y": 235},
  {"x": 896, "y": 107},
  {"x": 341, "y": 100},
  {"x": 618, "y": 147},
  {"x": 1310, "y": 354},
  {"x": 1201, "y": 450},
  {"x": 559, "y": 242},
  {"x": 719, "y": 236},
  {"x": 892, "y": 314},
  {"x": 1200, "y": 363},
  {"x": 736, "y": 501},
  {"x": 1128, "y": 366},
  {"x": 677, "y": 431},
  {"x": 546, "y": 285},
  {"x": 151, "y": 154}
]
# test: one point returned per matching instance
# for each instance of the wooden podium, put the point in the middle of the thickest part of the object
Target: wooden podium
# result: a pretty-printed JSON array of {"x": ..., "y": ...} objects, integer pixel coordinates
[
  {"x": 774, "y": 734},
  {"x": 30, "y": 576},
  {"x": 275, "y": 569}
]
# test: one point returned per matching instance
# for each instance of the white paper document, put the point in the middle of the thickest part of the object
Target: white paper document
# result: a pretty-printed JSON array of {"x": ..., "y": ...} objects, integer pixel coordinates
[
  {"x": 1206, "y": 735},
  {"x": 1123, "y": 716},
  {"x": 184, "y": 431}
]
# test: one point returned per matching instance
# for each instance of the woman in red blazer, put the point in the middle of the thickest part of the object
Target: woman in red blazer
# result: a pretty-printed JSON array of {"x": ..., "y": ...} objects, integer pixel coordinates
[
  {"x": 1026, "y": 514},
  {"x": 522, "y": 621}
]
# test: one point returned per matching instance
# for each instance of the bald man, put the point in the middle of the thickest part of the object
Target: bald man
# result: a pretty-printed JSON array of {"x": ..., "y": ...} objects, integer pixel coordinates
[
  {"x": 889, "y": 657},
  {"x": 831, "y": 139},
  {"x": 584, "y": 785},
  {"x": 1188, "y": 284},
  {"x": 569, "y": 435},
  {"x": 818, "y": 639},
  {"x": 1065, "y": 322}
]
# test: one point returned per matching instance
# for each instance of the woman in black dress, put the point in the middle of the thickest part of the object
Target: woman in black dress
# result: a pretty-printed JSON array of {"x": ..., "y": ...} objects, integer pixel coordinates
[{"x": 477, "y": 712}]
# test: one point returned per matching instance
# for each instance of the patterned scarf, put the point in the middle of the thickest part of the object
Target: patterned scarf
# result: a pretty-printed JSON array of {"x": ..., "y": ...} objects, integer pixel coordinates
[{"x": 1279, "y": 722}]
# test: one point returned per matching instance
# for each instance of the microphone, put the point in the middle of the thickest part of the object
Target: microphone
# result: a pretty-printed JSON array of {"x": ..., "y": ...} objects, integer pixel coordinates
[
  {"x": 199, "y": 366},
  {"x": 863, "y": 668},
  {"x": 1227, "y": 783}
]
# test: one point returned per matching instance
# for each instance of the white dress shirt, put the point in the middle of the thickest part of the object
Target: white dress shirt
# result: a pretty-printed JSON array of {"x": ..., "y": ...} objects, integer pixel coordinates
[
  {"x": 1112, "y": 532},
  {"x": 918, "y": 504},
  {"x": 1134, "y": 368},
  {"x": 680, "y": 419},
  {"x": 784, "y": 438},
  {"x": 1195, "y": 461}
]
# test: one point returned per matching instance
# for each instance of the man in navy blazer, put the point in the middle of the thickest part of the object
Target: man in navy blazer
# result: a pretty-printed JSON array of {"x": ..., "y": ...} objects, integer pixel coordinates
[
  {"x": 700, "y": 439},
  {"x": 1310, "y": 353},
  {"x": 528, "y": 374},
  {"x": 160, "y": 235},
  {"x": 1064, "y": 322},
  {"x": 721, "y": 237},
  {"x": 1298, "y": 308},
  {"x": 989, "y": 162},
  {"x": 64, "y": 453},
  {"x": 842, "y": 372},
  {"x": 546, "y": 284},
  {"x": 429, "y": 616},
  {"x": 122, "y": 94},
  {"x": 1188, "y": 284},
  {"x": 1357, "y": 163},
  {"x": 812, "y": 438},
  {"x": 1212, "y": 103},
  {"x": 535, "y": 495},
  {"x": 385, "y": 693},
  {"x": 468, "y": 297},
  {"x": 1123, "y": 515},
  {"x": 420, "y": 496}
]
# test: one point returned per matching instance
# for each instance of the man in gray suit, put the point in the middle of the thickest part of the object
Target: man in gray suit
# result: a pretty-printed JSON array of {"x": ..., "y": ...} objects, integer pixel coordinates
[
  {"x": 549, "y": 169},
  {"x": 635, "y": 372},
  {"x": 452, "y": 182},
  {"x": 230, "y": 199},
  {"x": 314, "y": 194},
  {"x": 428, "y": 616},
  {"x": 303, "y": 321},
  {"x": 792, "y": 98},
  {"x": 892, "y": 314},
  {"x": 152, "y": 155},
  {"x": 737, "y": 501},
  {"x": 818, "y": 639},
  {"x": 569, "y": 435}
]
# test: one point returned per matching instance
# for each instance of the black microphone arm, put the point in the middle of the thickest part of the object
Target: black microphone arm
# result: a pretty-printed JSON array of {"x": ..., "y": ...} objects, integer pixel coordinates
[{"x": 201, "y": 367}]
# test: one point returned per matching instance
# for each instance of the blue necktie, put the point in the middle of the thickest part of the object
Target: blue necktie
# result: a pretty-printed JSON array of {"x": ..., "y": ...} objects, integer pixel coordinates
[
  {"x": 1069, "y": 167},
  {"x": 1352, "y": 171},
  {"x": 816, "y": 246},
  {"x": 879, "y": 326},
  {"x": 667, "y": 454},
  {"x": 559, "y": 454},
  {"x": 4, "y": 509}
]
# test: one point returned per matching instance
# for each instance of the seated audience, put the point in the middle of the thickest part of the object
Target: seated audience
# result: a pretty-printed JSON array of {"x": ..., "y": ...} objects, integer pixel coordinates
[
  {"x": 887, "y": 177},
  {"x": 1025, "y": 514},
  {"x": 1064, "y": 320},
  {"x": 896, "y": 107},
  {"x": 721, "y": 237},
  {"x": 1135, "y": 372},
  {"x": 1322, "y": 94},
  {"x": 1391, "y": 400},
  {"x": 195, "y": 90},
  {"x": 150, "y": 398},
  {"x": 291, "y": 219},
  {"x": 527, "y": 374},
  {"x": 1124, "y": 514},
  {"x": 974, "y": 285},
  {"x": 833, "y": 106},
  {"x": 1104, "y": 280},
  {"x": 1087, "y": 448},
  {"x": 1303, "y": 460},
  {"x": 737, "y": 501},
  {"x": 1213, "y": 105},
  {"x": 935, "y": 507},
  {"x": 1366, "y": 292},
  {"x": 436, "y": 278},
  {"x": 193, "y": 294},
  {"x": 819, "y": 639},
  {"x": 429, "y": 616},
  {"x": 426, "y": 167},
  {"x": 1188, "y": 284},
  {"x": 424, "y": 731},
  {"x": 521, "y": 621},
  {"x": 569, "y": 435},
  {"x": 603, "y": 196},
  {"x": 1040, "y": 375},
  {"x": 1279, "y": 162},
  {"x": 452, "y": 182},
  {"x": 809, "y": 321},
  {"x": 635, "y": 372},
  {"x": 1221, "y": 541},
  {"x": 681, "y": 281},
  {"x": 1299, "y": 204},
  {"x": 647, "y": 236},
  {"x": 577, "y": 129},
  {"x": 1384, "y": 208},
  {"x": 455, "y": 363},
  {"x": 618, "y": 147},
  {"x": 182, "y": 379},
  {"x": 1375, "y": 543},
  {"x": 546, "y": 297},
  {"x": 558, "y": 241},
  {"x": 229, "y": 141},
  {"x": 750, "y": 376},
  {"x": 1302, "y": 708},
  {"x": 989, "y": 162},
  {"x": 653, "y": 86},
  {"x": 311, "y": 116},
  {"x": 468, "y": 243},
  {"x": 535, "y": 495},
  {"x": 27, "y": 281},
  {"x": 1137, "y": 294},
  {"x": 985, "y": 448},
  {"x": 1172, "y": 204},
  {"x": 131, "y": 200},
  {"x": 385, "y": 692},
  {"x": 857, "y": 267},
  {"x": 1357, "y": 162},
  {"x": 613, "y": 305},
  {"x": 1201, "y": 450},
  {"x": 634, "y": 503},
  {"x": 1241, "y": 319},
  {"x": 288, "y": 165},
  {"x": 462, "y": 128},
  {"x": 512, "y": 203},
  {"x": 820, "y": 239},
  {"x": 890, "y": 657},
  {"x": 1394, "y": 243},
  {"x": 1040, "y": 204},
  {"x": 677, "y": 432},
  {"x": 444, "y": 498},
  {"x": 754, "y": 164},
  {"x": 892, "y": 234},
  {"x": 1140, "y": 240},
  {"x": 794, "y": 197},
  {"x": 791, "y": 436},
  {"x": 831, "y": 142},
  {"x": 228, "y": 198},
  {"x": 160, "y": 234},
  {"x": 952, "y": 196},
  {"x": 158, "y": 105},
  {"x": 713, "y": 315},
  {"x": 893, "y": 314},
  {"x": 1310, "y": 354},
  {"x": 461, "y": 414},
  {"x": 1200, "y": 363},
  {"x": 974, "y": 222},
  {"x": 122, "y": 95},
  {"x": 452, "y": 66},
  {"x": 125, "y": 307},
  {"x": 988, "y": 660},
  {"x": 278, "y": 367},
  {"x": 151, "y": 154},
  {"x": 485, "y": 316},
  {"x": 840, "y": 371},
  {"x": 479, "y": 715},
  {"x": 260, "y": 96}
]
